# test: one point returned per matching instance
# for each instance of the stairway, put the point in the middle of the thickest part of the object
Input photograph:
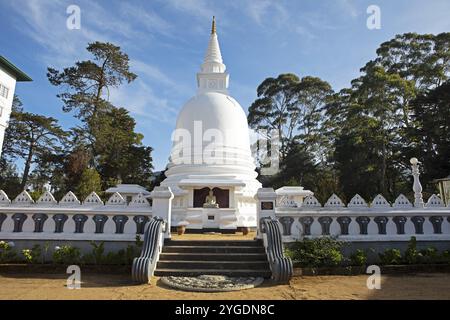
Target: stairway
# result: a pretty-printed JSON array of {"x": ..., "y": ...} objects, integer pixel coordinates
[{"x": 216, "y": 257}]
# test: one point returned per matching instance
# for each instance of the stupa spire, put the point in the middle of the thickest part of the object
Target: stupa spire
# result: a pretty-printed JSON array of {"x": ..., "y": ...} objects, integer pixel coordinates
[
  {"x": 213, "y": 28},
  {"x": 212, "y": 76},
  {"x": 213, "y": 58}
]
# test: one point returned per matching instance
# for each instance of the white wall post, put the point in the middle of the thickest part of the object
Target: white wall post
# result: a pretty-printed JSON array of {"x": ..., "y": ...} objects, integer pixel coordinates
[
  {"x": 265, "y": 206},
  {"x": 417, "y": 186},
  {"x": 162, "y": 206}
]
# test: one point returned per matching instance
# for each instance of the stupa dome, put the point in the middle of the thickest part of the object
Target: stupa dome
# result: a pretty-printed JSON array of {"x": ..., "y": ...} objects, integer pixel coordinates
[{"x": 217, "y": 111}]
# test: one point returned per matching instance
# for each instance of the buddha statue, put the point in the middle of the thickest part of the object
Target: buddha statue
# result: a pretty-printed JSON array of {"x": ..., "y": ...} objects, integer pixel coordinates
[{"x": 210, "y": 201}]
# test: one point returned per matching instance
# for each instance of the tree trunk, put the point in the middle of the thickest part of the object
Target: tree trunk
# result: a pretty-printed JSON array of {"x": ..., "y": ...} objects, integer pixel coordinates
[{"x": 26, "y": 171}]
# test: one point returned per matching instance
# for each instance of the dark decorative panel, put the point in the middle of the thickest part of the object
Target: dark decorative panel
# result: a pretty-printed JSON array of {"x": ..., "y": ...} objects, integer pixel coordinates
[
  {"x": 344, "y": 222},
  {"x": 325, "y": 223},
  {"x": 286, "y": 222},
  {"x": 381, "y": 223},
  {"x": 99, "y": 220},
  {"x": 39, "y": 220},
  {"x": 140, "y": 221},
  {"x": 306, "y": 223},
  {"x": 363, "y": 222},
  {"x": 60, "y": 220},
  {"x": 19, "y": 219},
  {"x": 80, "y": 220},
  {"x": 120, "y": 222}
]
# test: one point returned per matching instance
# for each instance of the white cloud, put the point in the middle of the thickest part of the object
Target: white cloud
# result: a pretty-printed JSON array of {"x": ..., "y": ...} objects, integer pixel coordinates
[
  {"x": 147, "y": 18},
  {"x": 140, "y": 99},
  {"x": 348, "y": 6},
  {"x": 257, "y": 10}
]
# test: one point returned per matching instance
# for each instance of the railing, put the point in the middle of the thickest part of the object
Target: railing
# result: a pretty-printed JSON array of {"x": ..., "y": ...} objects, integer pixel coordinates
[
  {"x": 281, "y": 266},
  {"x": 360, "y": 222},
  {"x": 145, "y": 264},
  {"x": 69, "y": 219}
]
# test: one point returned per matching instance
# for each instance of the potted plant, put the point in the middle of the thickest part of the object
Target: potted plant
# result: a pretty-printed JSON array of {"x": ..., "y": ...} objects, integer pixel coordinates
[{"x": 181, "y": 227}]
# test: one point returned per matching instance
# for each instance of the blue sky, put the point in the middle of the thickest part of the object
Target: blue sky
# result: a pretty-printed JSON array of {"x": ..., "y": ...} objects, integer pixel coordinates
[{"x": 166, "y": 41}]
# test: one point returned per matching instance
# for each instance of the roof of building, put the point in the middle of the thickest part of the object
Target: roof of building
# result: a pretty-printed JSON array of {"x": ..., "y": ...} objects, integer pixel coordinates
[
  {"x": 128, "y": 189},
  {"x": 15, "y": 71}
]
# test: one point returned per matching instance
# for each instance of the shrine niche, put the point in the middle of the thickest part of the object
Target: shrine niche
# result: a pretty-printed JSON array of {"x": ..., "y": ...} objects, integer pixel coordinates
[{"x": 222, "y": 197}]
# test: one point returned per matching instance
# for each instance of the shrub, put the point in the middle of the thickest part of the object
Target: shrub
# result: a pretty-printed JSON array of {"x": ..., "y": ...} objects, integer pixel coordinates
[
  {"x": 123, "y": 256},
  {"x": 446, "y": 256},
  {"x": 320, "y": 252},
  {"x": 390, "y": 256},
  {"x": 7, "y": 254},
  {"x": 67, "y": 255},
  {"x": 359, "y": 258},
  {"x": 430, "y": 255},
  {"x": 412, "y": 255},
  {"x": 98, "y": 251},
  {"x": 138, "y": 241},
  {"x": 33, "y": 255}
]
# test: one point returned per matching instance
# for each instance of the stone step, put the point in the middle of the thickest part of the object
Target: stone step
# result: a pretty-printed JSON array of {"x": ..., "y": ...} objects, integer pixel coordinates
[
  {"x": 176, "y": 256},
  {"x": 224, "y": 272},
  {"x": 213, "y": 249},
  {"x": 214, "y": 243},
  {"x": 227, "y": 265}
]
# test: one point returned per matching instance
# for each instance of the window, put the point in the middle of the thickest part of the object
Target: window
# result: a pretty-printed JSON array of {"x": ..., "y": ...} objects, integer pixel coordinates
[
  {"x": 1, "y": 110},
  {"x": 4, "y": 91}
]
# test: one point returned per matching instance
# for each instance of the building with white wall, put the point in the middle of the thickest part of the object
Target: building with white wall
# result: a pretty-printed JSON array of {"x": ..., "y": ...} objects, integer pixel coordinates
[{"x": 9, "y": 75}]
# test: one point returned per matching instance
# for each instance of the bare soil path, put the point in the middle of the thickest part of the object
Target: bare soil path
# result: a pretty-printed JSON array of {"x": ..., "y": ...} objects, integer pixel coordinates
[{"x": 97, "y": 286}]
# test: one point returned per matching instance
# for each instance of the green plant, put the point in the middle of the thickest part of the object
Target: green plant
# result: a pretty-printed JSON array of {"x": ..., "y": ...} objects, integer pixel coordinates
[
  {"x": 412, "y": 255},
  {"x": 320, "y": 252},
  {"x": 446, "y": 256},
  {"x": 138, "y": 241},
  {"x": 359, "y": 258},
  {"x": 33, "y": 255},
  {"x": 431, "y": 255},
  {"x": 7, "y": 254},
  {"x": 66, "y": 255},
  {"x": 98, "y": 250},
  {"x": 390, "y": 256},
  {"x": 123, "y": 256}
]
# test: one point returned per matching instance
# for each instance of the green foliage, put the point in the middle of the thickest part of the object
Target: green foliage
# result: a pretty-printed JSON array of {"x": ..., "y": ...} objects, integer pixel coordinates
[
  {"x": 430, "y": 255},
  {"x": 29, "y": 137},
  {"x": 123, "y": 256},
  {"x": 397, "y": 108},
  {"x": 291, "y": 107},
  {"x": 33, "y": 255},
  {"x": 107, "y": 133},
  {"x": 390, "y": 257},
  {"x": 90, "y": 181},
  {"x": 7, "y": 253},
  {"x": 412, "y": 255},
  {"x": 67, "y": 255},
  {"x": 320, "y": 252},
  {"x": 138, "y": 242},
  {"x": 98, "y": 250},
  {"x": 359, "y": 258}
]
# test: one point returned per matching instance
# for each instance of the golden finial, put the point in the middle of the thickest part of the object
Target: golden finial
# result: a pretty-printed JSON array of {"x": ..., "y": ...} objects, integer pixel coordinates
[{"x": 213, "y": 29}]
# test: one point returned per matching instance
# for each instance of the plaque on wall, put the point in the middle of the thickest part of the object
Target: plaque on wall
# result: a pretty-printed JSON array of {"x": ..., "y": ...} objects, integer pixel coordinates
[{"x": 267, "y": 205}]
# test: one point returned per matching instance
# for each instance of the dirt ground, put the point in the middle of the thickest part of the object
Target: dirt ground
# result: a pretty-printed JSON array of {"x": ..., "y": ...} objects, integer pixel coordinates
[{"x": 106, "y": 287}]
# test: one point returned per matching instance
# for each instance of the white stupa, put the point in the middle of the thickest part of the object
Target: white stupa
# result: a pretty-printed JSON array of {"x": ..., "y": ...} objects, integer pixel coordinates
[{"x": 211, "y": 151}]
